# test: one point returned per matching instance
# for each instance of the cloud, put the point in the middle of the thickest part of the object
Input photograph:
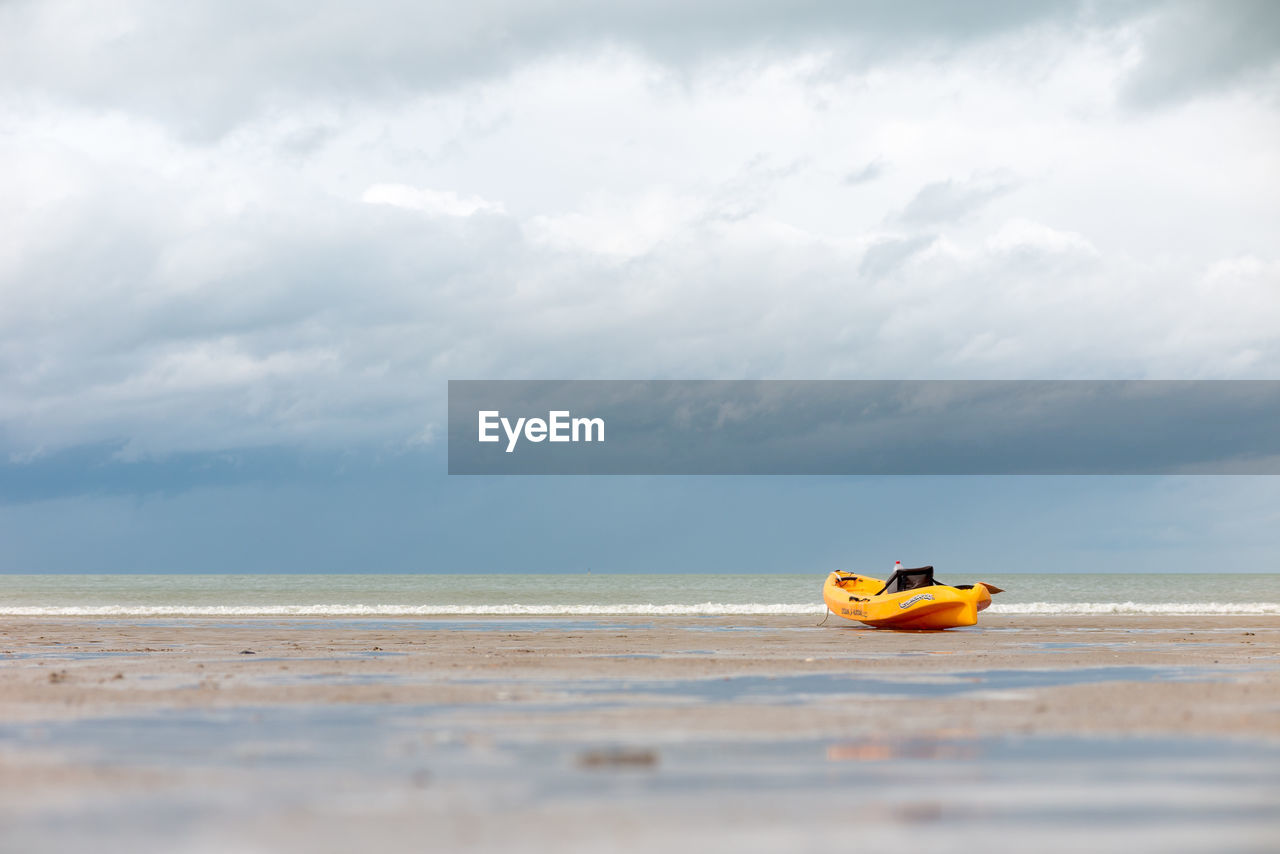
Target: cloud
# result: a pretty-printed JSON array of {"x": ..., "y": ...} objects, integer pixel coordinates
[
  {"x": 1198, "y": 46},
  {"x": 951, "y": 200},
  {"x": 620, "y": 228},
  {"x": 433, "y": 202},
  {"x": 868, "y": 172},
  {"x": 152, "y": 315},
  {"x": 886, "y": 255},
  {"x": 214, "y": 65},
  {"x": 244, "y": 245},
  {"x": 217, "y": 66},
  {"x": 310, "y": 274},
  {"x": 1024, "y": 236}
]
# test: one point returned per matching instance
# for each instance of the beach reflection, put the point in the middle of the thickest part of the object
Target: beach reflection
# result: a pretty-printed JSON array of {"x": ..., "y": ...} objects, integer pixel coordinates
[{"x": 946, "y": 745}]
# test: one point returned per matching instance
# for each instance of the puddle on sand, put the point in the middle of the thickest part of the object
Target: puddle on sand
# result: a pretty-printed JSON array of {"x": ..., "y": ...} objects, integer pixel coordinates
[
  {"x": 334, "y": 679},
  {"x": 277, "y": 761},
  {"x": 497, "y": 624},
  {"x": 382, "y": 739},
  {"x": 359, "y": 655},
  {"x": 1067, "y": 646},
  {"x": 799, "y": 688},
  {"x": 785, "y": 689},
  {"x": 71, "y": 655}
]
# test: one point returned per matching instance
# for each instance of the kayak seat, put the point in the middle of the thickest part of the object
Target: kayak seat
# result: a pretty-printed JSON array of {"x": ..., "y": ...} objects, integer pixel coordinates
[{"x": 908, "y": 579}]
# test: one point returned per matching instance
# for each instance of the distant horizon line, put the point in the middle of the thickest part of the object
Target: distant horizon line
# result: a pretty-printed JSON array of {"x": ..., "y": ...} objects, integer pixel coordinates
[{"x": 737, "y": 573}]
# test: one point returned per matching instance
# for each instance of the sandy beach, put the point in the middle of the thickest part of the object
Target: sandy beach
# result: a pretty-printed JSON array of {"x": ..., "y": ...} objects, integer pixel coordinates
[
  {"x": 629, "y": 733},
  {"x": 73, "y": 668}
]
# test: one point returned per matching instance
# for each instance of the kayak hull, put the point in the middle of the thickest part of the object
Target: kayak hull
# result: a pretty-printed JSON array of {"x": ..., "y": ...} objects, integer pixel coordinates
[{"x": 931, "y": 608}]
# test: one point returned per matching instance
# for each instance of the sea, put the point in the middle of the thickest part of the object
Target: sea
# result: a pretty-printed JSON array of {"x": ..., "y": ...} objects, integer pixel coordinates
[{"x": 601, "y": 594}]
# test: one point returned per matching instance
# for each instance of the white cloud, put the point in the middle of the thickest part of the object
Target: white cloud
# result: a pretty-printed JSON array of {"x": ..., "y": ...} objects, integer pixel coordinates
[
  {"x": 1021, "y": 235},
  {"x": 313, "y": 272},
  {"x": 433, "y": 202},
  {"x": 625, "y": 228}
]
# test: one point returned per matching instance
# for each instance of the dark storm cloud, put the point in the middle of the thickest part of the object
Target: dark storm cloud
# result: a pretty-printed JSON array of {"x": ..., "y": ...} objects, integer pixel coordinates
[
  {"x": 1195, "y": 47},
  {"x": 206, "y": 66},
  {"x": 99, "y": 470}
]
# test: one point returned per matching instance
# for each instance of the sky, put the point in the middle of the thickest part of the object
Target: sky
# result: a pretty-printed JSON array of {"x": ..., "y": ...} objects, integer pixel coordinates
[{"x": 245, "y": 245}]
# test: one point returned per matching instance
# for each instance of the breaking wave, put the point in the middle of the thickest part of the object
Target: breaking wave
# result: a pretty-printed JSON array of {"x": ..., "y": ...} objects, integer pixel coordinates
[
  {"x": 1202, "y": 609},
  {"x": 704, "y": 609}
]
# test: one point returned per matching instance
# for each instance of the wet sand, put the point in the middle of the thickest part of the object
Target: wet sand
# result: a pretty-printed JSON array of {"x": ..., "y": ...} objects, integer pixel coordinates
[{"x": 637, "y": 733}]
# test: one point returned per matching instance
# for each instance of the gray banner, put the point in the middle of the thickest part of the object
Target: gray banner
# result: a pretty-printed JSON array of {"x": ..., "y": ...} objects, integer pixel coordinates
[{"x": 864, "y": 427}]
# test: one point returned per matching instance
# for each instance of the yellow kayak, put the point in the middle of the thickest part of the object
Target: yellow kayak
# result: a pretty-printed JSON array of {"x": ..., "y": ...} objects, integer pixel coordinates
[{"x": 910, "y": 599}]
